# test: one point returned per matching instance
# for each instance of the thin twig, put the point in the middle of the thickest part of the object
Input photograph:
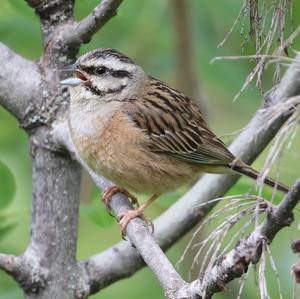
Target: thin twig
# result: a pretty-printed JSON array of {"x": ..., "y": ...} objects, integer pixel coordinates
[
  {"x": 263, "y": 48},
  {"x": 233, "y": 199},
  {"x": 82, "y": 31}
]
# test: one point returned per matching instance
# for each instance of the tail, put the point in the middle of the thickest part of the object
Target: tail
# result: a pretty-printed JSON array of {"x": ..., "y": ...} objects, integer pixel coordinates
[{"x": 245, "y": 169}]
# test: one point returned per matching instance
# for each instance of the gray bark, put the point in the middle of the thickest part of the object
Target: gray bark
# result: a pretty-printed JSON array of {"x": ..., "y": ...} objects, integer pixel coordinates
[
  {"x": 53, "y": 240},
  {"x": 18, "y": 72},
  {"x": 83, "y": 31}
]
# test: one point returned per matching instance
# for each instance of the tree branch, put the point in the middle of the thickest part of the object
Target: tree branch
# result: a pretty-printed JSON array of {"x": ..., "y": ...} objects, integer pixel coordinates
[
  {"x": 9, "y": 263},
  {"x": 248, "y": 251},
  {"x": 82, "y": 31},
  {"x": 121, "y": 260},
  {"x": 19, "y": 83},
  {"x": 54, "y": 225},
  {"x": 140, "y": 237},
  {"x": 52, "y": 14}
]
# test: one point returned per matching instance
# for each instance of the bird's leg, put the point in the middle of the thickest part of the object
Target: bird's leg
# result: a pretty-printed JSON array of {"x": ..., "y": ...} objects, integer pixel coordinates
[
  {"x": 125, "y": 217},
  {"x": 111, "y": 191}
]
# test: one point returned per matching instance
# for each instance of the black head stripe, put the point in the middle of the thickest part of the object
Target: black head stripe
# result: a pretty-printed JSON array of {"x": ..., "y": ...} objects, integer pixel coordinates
[
  {"x": 104, "y": 53},
  {"x": 88, "y": 69},
  {"x": 121, "y": 74},
  {"x": 115, "y": 73}
]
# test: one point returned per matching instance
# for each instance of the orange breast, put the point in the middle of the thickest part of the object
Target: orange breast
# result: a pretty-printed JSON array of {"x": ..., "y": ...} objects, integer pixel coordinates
[{"x": 120, "y": 153}]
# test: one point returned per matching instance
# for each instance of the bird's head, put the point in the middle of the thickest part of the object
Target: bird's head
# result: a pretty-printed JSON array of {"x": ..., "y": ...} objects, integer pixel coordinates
[{"x": 104, "y": 74}]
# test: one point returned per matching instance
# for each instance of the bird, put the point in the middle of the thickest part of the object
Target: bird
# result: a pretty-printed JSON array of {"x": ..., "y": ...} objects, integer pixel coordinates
[{"x": 139, "y": 133}]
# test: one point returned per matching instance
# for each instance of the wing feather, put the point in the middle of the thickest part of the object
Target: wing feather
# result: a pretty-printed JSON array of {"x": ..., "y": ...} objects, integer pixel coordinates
[{"x": 174, "y": 126}]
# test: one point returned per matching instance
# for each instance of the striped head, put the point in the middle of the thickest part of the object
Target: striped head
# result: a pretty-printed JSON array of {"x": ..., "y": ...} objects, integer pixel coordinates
[{"x": 104, "y": 74}]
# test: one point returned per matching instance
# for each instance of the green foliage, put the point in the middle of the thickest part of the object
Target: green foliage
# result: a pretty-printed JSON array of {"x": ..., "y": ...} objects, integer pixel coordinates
[
  {"x": 96, "y": 212},
  {"x": 166, "y": 200},
  {"x": 7, "y": 186},
  {"x": 17, "y": 14},
  {"x": 6, "y": 227},
  {"x": 7, "y": 191}
]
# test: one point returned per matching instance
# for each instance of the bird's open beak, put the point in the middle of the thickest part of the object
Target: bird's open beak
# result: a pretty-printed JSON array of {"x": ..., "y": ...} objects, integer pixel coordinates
[
  {"x": 74, "y": 81},
  {"x": 71, "y": 81}
]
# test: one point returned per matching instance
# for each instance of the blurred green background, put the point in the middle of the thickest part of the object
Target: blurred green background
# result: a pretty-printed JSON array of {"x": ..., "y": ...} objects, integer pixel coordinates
[{"x": 144, "y": 30}]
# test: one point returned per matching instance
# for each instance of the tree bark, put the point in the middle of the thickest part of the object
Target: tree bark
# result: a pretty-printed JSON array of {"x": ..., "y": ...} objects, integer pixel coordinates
[{"x": 53, "y": 241}]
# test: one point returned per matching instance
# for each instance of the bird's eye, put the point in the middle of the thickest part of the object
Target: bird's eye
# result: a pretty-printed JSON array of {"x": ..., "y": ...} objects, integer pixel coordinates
[{"x": 101, "y": 70}]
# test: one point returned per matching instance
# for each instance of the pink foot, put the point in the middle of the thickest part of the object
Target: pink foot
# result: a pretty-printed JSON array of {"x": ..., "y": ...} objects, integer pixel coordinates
[
  {"x": 111, "y": 191},
  {"x": 126, "y": 217}
]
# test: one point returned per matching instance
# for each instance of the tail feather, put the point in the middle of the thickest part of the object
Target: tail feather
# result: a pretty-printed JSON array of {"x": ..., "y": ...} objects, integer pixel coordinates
[{"x": 252, "y": 173}]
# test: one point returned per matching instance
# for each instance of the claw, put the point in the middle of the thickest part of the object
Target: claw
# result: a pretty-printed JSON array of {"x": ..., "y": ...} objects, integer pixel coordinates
[
  {"x": 125, "y": 217},
  {"x": 107, "y": 195},
  {"x": 111, "y": 191}
]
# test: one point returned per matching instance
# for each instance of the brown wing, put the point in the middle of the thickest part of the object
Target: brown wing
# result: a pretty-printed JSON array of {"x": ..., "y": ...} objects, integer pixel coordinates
[{"x": 175, "y": 126}]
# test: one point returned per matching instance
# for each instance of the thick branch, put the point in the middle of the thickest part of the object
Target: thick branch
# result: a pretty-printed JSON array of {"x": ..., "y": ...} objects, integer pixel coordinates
[
  {"x": 138, "y": 234},
  {"x": 82, "y": 31},
  {"x": 52, "y": 13},
  {"x": 19, "y": 83},
  {"x": 54, "y": 228}
]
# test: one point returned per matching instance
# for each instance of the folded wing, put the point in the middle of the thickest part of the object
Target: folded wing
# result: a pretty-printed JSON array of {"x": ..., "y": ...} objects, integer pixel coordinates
[{"x": 174, "y": 126}]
